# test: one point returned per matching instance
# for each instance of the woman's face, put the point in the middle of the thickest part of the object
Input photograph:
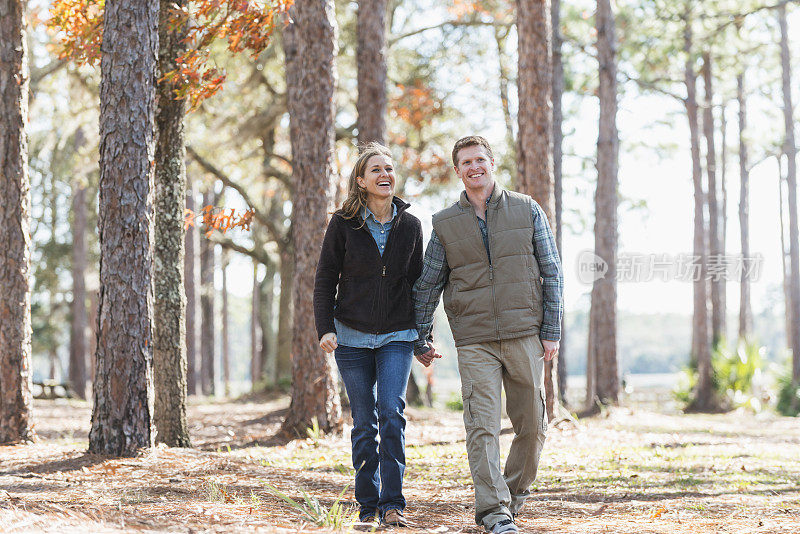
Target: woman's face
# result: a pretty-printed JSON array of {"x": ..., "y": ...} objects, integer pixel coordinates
[{"x": 378, "y": 178}]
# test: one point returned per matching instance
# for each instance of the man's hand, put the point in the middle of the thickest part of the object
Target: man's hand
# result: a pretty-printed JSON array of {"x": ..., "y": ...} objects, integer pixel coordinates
[
  {"x": 328, "y": 342},
  {"x": 426, "y": 358},
  {"x": 550, "y": 349}
]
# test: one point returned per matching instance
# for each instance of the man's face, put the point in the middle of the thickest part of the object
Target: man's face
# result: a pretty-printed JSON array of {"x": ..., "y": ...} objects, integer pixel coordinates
[{"x": 475, "y": 167}]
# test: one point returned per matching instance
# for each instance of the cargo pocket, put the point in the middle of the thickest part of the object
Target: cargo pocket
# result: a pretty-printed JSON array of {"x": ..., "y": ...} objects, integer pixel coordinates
[
  {"x": 466, "y": 398},
  {"x": 544, "y": 410}
]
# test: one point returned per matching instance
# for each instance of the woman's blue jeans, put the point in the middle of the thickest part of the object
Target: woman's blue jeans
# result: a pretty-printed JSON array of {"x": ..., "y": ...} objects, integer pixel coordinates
[{"x": 376, "y": 381}]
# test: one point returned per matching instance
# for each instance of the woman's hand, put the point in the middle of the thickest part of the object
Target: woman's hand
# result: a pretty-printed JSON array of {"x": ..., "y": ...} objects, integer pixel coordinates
[{"x": 328, "y": 342}]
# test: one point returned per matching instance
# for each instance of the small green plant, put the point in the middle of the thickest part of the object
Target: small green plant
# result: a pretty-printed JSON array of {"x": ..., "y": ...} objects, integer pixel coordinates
[
  {"x": 733, "y": 373},
  {"x": 313, "y": 432},
  {"x": 455, "y": 403},
  {"x": 215, "y": 492},
  {"x": 337, "y": 516},
  {"x": 788, "y": 393}
]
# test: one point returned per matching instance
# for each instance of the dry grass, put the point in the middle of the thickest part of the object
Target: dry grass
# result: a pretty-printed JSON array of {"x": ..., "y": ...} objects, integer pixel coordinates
[{"x": 644, "y": 472}]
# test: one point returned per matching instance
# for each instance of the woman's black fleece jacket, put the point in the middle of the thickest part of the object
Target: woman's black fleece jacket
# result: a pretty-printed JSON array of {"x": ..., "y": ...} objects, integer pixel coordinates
[{"x": 374, "y": 291}]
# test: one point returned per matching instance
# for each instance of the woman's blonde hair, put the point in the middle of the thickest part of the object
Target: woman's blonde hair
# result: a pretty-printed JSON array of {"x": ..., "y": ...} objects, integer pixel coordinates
[{"x": 356, "y": 199}]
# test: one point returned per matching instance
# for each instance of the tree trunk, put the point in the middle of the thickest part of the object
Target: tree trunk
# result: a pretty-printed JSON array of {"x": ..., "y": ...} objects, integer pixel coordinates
[
  {"x": 268, "y": 341},
  {"x": 15, "y": 213},
  {"x": 226, "y": 356},
  {"x": 283, "y": 364},
  {"x": 371, "y": 65},
  {"x": 558, "y": 138},
  {"x": 717, "y": 280},
  {"x": 784, "y": 254},
  {"x": 504, "y": 80},
  {"x": 535, "y": 126},
  {"x": 701, "y": 350},
  {"x": 191, "y": 284},
  {"x": 790, "y": 149},
  {"x": 78, "y": 350},
  {"x": 169, "y": 352},
  {"x": 723, "y": 212},
  {"x": 745, "y": 311},
  {"x": 603, "y": 315},
  {"x": 256, "y": 364},
  {"x": 207, "y": 292},
  {"x": 310, "y": 48},
  {"x": 123, "y": 390},
  {"x": 413, "y": 394}
]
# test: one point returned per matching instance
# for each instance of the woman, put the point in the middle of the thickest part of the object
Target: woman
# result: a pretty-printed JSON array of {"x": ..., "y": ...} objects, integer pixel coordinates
[{"x": 371, "y": 256}]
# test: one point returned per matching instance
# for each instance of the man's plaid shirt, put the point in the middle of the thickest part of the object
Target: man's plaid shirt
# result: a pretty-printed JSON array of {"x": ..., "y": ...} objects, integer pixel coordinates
[{"x": 435, "y": 273}]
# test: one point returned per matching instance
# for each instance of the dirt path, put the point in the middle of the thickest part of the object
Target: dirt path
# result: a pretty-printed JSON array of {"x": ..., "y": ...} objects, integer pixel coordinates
[{"x": 623, "y": 473}]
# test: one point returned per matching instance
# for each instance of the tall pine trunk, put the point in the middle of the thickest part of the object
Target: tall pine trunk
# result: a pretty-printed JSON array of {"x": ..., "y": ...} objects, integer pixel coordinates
[
  {"x": 15, "y": 214},
  {"x": 310, "y": 46},
  {"x": 191, "y": 284},
  {"x": 226, "y": 355},
  {"x": 603, "y": 314},
  {"x": 790, "y": 150},
  {"x": 207, "y": 294},
  {"x": 283, "y": 364},
  {"x": 256, "y": 365},
  {"x": 169, "y": 354},
  {"x": 123, "y": 389},
  {"x": 701, "y": 349},
  {"x": 535, "y": 128},
  {"x": 745, "y": 310},
  {"x": 371, "y": 66},
  {"x": 714, "y": 244},
  {"x": 78, "y": 349},
  {"x": 267, "y": 322},
  {"x": 558, "y": 139}
]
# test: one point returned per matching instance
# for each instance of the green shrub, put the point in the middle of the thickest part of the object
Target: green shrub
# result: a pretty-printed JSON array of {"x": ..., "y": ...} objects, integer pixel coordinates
[
  {"x": 455, "y": 403},
  {"x": 732, "y": 374},
  {"x": 788, "y": 393},
  {"x": 734, "y": 371}
]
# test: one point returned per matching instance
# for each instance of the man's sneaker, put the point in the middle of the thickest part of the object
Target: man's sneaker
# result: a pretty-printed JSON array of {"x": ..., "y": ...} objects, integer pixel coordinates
[
  {"x": 394, "y": 518},
  {"x": 368, "y": 518},
  {"x": 504, "y": 526}
]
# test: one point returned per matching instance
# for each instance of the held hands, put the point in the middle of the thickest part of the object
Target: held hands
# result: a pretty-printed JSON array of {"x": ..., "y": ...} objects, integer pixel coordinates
[
  {"x": 426, "y": 358},
  {"x": 550, "y": 349},
  {"x": 328, "y": 342}
]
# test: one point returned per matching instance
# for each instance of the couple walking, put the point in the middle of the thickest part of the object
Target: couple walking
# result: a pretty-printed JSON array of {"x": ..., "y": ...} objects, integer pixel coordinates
[{"x": 493, "y": 256}]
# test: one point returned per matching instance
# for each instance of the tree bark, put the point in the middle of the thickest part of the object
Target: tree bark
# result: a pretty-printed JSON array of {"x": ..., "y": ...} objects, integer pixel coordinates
[
  {"x": 123, "y": 390},
  {"x": 78, "y": 350},
  {"x": 310, "y": 47},
  {"x": 15, "y": 217},
  {"x": 169, "y": 352},
  {"x": 191, "y": 277},
  {"x": 790, "y": 150},
  {"x": 558, "y": 139},
  {"x": 371, "y": 66},
  {"x": 535, "y": 126},
  {"x": 703, "y": 396},
  {"x": 226, "y": 355},
  {"x": 717, "y": 282},
  {"x": 256, "y": 364},
  {"x": 603, "y": 314},
  {"x": 207, "y": 294},
  {"x": 283, "y": 364},
  {"x": 268, "y": 338},
  {"x": 745, "y": 311}
]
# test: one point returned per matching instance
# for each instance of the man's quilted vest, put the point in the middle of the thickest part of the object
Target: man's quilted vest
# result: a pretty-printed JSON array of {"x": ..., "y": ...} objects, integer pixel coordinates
[{"x": 501, "y": 299}]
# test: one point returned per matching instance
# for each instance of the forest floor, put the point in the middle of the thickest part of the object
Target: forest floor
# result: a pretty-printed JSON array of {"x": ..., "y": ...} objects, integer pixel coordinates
[{"x": 618, "y": 473}]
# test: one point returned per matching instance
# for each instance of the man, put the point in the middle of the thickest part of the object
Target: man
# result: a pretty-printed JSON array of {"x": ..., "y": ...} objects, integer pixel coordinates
[{"x": 494, "y": 256}]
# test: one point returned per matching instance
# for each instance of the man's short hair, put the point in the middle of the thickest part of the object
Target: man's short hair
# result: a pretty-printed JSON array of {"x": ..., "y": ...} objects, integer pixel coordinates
[{"x": 471, "y": 140}]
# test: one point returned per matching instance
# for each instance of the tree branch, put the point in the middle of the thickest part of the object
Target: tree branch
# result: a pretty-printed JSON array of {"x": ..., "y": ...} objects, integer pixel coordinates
[
  {"x": 448, "y": 23},
  {"x": 262, "y": 217},
  {"x": 260, "y": 256}
]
